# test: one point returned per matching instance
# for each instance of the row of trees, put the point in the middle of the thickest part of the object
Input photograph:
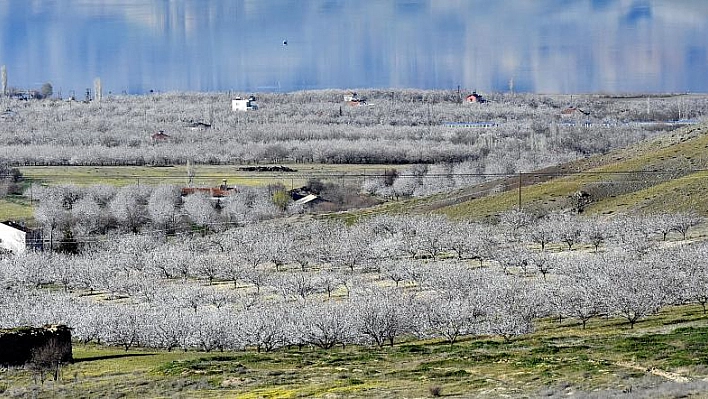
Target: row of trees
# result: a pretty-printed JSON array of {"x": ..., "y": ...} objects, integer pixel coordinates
[
  {"x": 80, "y": 214},
  {"x": 444, "y": 300},
  {"x": 74, "y": 213},
  {"x": 84, "y": 213},
  {"x": 324, "y": 284}
]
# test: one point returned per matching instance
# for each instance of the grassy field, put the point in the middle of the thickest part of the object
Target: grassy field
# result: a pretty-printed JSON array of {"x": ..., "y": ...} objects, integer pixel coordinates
[
  {"x": 13, "y": 208},
  {"x": 207, "y": 175},
  {"x": 666, "y": 350}
]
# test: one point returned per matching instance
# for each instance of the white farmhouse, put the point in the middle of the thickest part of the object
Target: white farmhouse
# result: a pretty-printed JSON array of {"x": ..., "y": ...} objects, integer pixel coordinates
[
  {"x": 16, "y": 238},
  {"x": 239, "y": 104}
]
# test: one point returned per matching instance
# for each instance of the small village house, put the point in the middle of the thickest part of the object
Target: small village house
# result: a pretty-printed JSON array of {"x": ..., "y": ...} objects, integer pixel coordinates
[
  {"x": 571, "y": 112},
  {"x": 351, "y": 96},
  {"x": 353, "y": 99},
  {"x": 17, "y": 238},
  {"x": 475, "y": 98},
  {"x": 159, "y": 137},
  {"x": 239, "y": 104},
  {"x": 216, "y": 194}
]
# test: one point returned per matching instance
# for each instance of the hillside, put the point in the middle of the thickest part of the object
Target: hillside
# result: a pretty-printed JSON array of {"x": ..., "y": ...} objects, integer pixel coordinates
[{"x": 666, "y": 173}]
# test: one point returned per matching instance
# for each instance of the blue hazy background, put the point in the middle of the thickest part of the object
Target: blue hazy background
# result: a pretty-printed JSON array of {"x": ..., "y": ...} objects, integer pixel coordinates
[{"x": 542, "y": 46}]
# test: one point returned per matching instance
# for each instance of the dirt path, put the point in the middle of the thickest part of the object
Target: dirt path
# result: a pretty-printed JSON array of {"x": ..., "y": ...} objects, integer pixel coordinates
[{"x": 658, "y": 372}]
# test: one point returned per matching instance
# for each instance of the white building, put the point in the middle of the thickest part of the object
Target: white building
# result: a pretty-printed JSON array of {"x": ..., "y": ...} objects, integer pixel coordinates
[
  {"x": 17, "y": 239},
  {"x": 239, "y": 104}
]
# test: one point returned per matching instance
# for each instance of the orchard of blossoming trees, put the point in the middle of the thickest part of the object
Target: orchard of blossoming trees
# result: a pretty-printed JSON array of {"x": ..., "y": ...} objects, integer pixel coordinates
[
  {"x": 380, "y": 281},
  {"x": 146, "y": 266},
  {"x": 519, "y": 132}
]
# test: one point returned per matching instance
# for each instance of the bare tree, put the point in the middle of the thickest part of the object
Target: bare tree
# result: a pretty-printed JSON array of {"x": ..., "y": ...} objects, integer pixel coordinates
[
  {"x": 299, "y": 284},
  {"x": 451, "y": 319},
  {"x": 53, "y": 216},
  {"x": 47, "y": 358},
  {"x": 327, "y": 324},
  {"x": 541, "y": 232},
  {"x": 568, "y": 230},
  {"x": 596, "y": 232},
  {"x": 633, "y": 289},
  {"x": 682, "y": 222},
  {"x": 263, "y": 327}
]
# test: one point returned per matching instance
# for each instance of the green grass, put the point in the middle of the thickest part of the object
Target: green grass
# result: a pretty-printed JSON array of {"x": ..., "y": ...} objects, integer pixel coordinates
[
  {"x": 13, "y": 208},
  {"x": 607, "y": 354},
  {"x": 679, "y": 195},
  {"x": 208, "y": 175},
  {"x": 678, "y": 152}
]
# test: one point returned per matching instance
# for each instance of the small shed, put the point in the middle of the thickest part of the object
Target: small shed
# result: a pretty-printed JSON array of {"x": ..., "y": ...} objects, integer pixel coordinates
[
  {"x": 239, "y": 104},
  {"x": 309, "y": 199},
  {"x": 212, "y": 192},
  {"x": 353, "y": 99},
  {"x": 159, "y": 137},
  {"x": 17, "y": 238},
  {"x": 7, "y": 115},
  {"x": 573, "y": 111},
  {"x": 471, "y": 125}
]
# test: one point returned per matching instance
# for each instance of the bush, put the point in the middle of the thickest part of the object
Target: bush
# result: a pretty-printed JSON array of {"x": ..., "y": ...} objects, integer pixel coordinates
[{"x": 435, "y": 391}]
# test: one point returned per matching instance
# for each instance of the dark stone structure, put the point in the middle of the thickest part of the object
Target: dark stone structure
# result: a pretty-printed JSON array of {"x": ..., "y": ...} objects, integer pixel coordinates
[{"x": 19, "y": 346}]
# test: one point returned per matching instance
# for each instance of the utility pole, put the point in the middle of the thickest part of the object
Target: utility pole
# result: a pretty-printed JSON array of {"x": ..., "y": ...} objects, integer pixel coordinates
[
  {"x": 519, "y": 204},
  {"x": 3, "y": 73}
]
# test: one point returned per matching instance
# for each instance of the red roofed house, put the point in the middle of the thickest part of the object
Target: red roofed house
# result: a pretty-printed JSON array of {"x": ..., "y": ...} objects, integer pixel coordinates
[
  {"x": 214, "y": 192},
  {"x": 572, "y": 111},
  {"x": 159, "y": 137},
  {"x": 475, "y": 98}
]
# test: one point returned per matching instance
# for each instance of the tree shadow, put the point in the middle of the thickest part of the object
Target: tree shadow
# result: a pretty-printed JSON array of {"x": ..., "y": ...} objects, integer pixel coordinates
[{"x": 106, "y": 357}]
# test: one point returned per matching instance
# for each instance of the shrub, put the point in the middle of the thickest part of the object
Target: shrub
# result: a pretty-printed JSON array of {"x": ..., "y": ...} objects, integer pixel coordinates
[{"x": 435, "y": 391}]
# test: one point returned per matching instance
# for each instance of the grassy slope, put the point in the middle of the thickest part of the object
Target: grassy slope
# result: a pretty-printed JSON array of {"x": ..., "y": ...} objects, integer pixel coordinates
[
  {"x": 669, "y": 347},
  {"x": 666, "y": 185}
]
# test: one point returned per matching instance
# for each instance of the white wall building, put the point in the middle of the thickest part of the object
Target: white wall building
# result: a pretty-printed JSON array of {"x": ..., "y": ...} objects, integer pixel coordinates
[
  {"x": 16, "y": 238},
  {"x": 239, "y": 104}
]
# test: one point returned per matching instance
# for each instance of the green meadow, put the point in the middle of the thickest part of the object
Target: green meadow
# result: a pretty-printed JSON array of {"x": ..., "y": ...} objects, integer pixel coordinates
[{"x": 661, "y": 352}]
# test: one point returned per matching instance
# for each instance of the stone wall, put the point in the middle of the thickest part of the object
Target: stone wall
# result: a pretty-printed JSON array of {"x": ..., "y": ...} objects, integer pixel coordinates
[{"x": 19, "y": 345}]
